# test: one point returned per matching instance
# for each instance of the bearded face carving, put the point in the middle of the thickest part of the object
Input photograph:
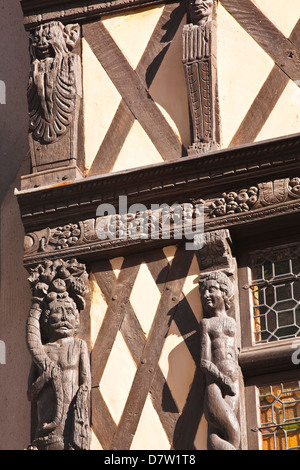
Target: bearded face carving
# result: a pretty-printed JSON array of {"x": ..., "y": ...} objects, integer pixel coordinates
[
  {"x": 54, "y": 93},
  {"x": 52, "y": 85}
]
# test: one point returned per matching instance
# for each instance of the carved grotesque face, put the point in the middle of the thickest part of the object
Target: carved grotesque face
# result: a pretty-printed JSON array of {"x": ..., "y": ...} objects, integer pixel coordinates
[
  {"x": 46, "y": 40},
  {"x": 200, "y": 9},
  {"x": 63, "y": 319},
  {"x": 213, "y": 297},
  {"x": 50, "y": 39}
]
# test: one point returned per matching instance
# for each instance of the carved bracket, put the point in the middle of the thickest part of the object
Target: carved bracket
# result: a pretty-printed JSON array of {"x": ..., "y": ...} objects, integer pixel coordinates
[
  {"x": 54, "y": 97},
  {"x": 200, "y": 65}
]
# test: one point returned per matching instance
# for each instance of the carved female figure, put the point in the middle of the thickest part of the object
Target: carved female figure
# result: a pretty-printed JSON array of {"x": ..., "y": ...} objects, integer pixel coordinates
[{"x": 219, "y": 362}]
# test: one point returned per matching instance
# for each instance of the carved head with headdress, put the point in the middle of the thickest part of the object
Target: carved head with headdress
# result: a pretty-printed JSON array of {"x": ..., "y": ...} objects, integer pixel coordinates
[{"x": 60, "y": 287}]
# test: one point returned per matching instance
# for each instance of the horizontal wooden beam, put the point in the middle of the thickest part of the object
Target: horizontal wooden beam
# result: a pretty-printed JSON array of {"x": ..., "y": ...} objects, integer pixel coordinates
[{"x": 40, "y": 11}]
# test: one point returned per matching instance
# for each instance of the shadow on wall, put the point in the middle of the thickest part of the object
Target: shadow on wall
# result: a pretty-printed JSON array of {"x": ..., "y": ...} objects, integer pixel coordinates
[
  {"x": 14, "y": 69},
  {"x": 187, "y": 425},
  {"x": 2, "y": 92}
]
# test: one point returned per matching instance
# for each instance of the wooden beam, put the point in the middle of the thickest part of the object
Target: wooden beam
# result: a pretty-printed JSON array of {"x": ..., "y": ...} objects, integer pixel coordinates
[
  {"x": 284, "y": 53},
  {"x": 114, "y": 316},
  {"x": 147, "y": 367},
  {"x": 147, "y": 68},
  {"x": 265, "y": 101},
  {"x": 133, "y": 91}
]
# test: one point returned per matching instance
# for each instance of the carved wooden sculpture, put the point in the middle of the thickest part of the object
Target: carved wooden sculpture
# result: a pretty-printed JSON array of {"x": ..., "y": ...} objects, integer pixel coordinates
[
  {"x": 60, "y": 376},
  {"x": 54, "y": 93},
  {"x": 219, "y": 362},
  {"x": 200, "y": 65}
]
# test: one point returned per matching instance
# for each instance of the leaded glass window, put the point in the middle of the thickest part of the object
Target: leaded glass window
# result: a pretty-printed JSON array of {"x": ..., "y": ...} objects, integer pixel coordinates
[
  {"x": 275, "y": 287},
  {"x": 280, "y": 416}
]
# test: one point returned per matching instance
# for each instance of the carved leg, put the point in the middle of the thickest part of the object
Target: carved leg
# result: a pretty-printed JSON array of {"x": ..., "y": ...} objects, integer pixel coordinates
[{"x": 223, "y": 429}]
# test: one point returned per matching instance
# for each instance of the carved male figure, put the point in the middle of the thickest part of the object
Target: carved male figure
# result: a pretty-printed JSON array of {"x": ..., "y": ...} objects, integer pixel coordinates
[
  {"x": 60, "y": 376},
  {"x": 200, "y": 10},
  {"x": 200, "y": 64},
  {"x": 219, "y": 362}
]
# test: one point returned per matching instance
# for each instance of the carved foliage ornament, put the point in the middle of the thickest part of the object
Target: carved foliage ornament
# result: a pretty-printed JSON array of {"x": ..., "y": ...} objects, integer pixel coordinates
[
  {"x": 255, "y": 197},
  {"x": 52, "y": 83},
  {"x": 60, "y": 376}
]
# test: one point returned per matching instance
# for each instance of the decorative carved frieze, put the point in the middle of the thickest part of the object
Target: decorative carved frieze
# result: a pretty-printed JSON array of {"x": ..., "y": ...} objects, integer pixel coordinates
[
  {"x": 255, "y": 197},
  {"x": 54, "y": 96},
  {"x": 60, "y": 376},
  {"x": 167, "y": 222},
  {"x": 200, "y": 65}
]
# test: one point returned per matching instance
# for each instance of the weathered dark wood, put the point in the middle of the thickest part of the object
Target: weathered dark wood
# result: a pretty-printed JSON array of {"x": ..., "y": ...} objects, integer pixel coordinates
[
  {"x": 284, "y": 53},
  {"x": 113, "y": 141},
  {"x": 265, "y": 101},
  {"x": 267, "y": 359},
  {"x": 147, "y": 68},
  {"x": 133, "y": 91},
  {"x": 70, "y": 10},
  {"x": 261, "y": 108},
  {"x": 219, "y": 362},
  {"x": 60, "y": 382},
  {"x": 200, "y": 66},
  {"x": 113, "y": 318},
  {"x": 102, "y": 422},
  {"x": 135, "y": 339},
  {"x": 146, "y": 369}
]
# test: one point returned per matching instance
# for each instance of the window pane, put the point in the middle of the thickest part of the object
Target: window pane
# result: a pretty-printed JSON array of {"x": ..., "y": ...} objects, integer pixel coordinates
[
  {"x": 280, "y": 416},
  {"x": 276, "y": 293}
]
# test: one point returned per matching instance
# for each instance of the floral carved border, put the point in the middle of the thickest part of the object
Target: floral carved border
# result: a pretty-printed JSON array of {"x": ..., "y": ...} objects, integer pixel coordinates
[{"x": 266, "y": 199}]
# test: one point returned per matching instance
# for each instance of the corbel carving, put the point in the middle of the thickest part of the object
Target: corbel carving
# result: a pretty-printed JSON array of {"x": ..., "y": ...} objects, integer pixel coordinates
[
  {"x": 219, "y": 362},
  {"x": 200, "y": 65},
  {"x": 216, "y": 251},
  {"x": 54, "y": 96},
  {"x": 60, "y": 377}
]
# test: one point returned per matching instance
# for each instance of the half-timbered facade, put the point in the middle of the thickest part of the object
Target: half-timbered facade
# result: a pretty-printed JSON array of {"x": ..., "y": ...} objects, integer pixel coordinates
[{"x": 144, "y": 115}]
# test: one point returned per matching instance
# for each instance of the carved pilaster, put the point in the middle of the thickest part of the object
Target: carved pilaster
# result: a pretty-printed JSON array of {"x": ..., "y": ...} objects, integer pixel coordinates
[
  {"x": 200, "y": 65},
  {"x": 219, "y": 343},
  {"x": 60, "y": 381},
  {"x": 54, "y": 98}
]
